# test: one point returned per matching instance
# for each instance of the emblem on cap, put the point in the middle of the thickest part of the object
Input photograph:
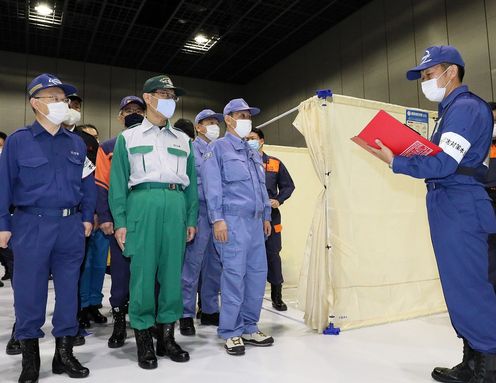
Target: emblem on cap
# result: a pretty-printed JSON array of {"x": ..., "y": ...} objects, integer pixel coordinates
[
  {"x": 426, "y": 58},
  {"x": 166, "y": 81}
]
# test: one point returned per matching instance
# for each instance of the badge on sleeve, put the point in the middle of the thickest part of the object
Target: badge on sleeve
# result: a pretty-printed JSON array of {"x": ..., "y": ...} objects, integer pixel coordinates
[{"x": 88, "y": 168}]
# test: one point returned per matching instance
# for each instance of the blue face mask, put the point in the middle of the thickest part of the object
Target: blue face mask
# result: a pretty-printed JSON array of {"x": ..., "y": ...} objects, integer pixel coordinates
[{"x": 254, "y": 144}]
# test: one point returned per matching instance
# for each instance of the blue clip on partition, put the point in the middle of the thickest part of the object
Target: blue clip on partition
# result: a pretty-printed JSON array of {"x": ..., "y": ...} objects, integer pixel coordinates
[
  {"x": 324, "y": 93},
  {"x": 331, "y": 330}
]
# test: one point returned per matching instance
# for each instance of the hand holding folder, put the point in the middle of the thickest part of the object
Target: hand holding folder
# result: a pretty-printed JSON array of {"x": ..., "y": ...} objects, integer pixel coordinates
[{"x": 395, "y": 136}]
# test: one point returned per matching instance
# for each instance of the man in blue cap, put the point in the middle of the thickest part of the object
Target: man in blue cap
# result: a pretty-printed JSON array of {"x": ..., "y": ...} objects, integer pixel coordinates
[
  {"x": 44, "y": 175},
  {"x": 200, "y": 254},
  {"x": 131, "y": 114},
  {"x": 459, "y": 209},
  {"x": 238, "y": 206}
]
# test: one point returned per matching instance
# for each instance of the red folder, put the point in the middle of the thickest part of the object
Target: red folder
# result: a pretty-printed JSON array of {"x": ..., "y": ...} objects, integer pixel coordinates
[{"x": 398, "y": 137}]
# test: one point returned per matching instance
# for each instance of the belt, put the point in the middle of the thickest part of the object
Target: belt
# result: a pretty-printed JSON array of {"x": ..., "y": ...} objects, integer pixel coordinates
[
  {"x": 50, "y": 212},
  {"x": 157, "y": 185}
]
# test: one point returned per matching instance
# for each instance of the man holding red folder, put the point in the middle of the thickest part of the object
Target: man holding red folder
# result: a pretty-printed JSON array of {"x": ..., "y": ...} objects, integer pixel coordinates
[{"x": 459, "y": 209}]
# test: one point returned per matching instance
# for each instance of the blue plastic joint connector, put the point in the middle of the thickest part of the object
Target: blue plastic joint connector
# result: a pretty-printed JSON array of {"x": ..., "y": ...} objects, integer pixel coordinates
[
  {"x": 331, "y": 330},
  {"x": 324, "y": 93}
]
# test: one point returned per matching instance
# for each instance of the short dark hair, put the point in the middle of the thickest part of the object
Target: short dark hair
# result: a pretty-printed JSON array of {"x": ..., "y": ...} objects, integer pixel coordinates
[
  {"x": 492, "y": 104},
  {"x": 259, "y": 133},
  {"x": 461, "y": 70},
  {"x": 185, "y": 126},
  {"x": 3, "y": 136},
  {"x": 80, "y": 128}
]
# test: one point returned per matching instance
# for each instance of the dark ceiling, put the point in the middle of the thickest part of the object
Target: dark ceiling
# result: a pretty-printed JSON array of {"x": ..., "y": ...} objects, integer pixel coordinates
[{"x": 251, "y": 35}]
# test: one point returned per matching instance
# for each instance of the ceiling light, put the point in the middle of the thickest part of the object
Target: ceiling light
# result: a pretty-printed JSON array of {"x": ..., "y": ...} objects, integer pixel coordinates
[
  {"x": 201, "y": 39},
  {"x": 43, "y": 9}
]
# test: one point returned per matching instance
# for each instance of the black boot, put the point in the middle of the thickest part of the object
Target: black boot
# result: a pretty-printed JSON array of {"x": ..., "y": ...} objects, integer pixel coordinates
[
  {"x": 95, "y": 315},
  {"x": 13, "y": 345},
  {"x": 119, "y": 334},
  {"x": 78, "y": 340},
  {"x": 84, "y": 318},
  {"x": 187, "y": 326},
  {"x": 65, "y": 361},
  {"x": 485, "y": 368},
  {"x": 166, "y": 344},
  {"x": 146, "y": 353},
  {"x": 209, "y": 319},
  {"x": 7, "y": 274},
  {"x": 30, "y": 361},
  {"x": 276, "y": 296},
  {"x": 462, "y": 372}
]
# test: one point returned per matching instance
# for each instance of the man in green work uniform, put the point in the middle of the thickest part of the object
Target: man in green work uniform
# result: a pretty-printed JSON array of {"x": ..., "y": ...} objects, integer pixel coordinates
[{"x": 154, "y": 201}]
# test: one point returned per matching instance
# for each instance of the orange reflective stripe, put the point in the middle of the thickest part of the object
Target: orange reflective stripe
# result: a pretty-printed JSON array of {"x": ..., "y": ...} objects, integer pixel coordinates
[
  {"x": 273, "y": 165},
  {"x": 492, "y": 153},
  {"x": 278, "y": 228}
]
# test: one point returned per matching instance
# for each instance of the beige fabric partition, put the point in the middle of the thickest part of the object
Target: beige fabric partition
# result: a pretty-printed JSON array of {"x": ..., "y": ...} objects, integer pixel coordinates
[
  {"x": 379, "y": 266},
  {"x": 297, "y": 211}
]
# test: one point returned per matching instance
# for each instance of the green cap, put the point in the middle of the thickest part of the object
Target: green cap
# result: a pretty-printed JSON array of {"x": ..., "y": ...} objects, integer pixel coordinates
[{"x": 161, "y": 82}]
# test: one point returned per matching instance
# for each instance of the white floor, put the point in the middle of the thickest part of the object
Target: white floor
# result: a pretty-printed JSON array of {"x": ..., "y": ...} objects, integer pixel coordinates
[{"x": 397, "y": 352}]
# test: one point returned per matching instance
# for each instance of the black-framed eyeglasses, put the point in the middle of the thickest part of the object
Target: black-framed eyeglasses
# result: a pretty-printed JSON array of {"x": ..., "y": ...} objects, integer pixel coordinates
[{"x": 168, "y": 95}]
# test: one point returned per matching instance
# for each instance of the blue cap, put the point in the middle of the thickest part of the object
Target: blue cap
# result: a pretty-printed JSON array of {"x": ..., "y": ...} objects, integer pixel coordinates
[
  {"x": 208, "y": 113},
  {"x": 47, "y": 80},
  {"x": 237, "y": 105},
  {"x": 433, "y": 56},
  {"x": 130, "y": 99}
]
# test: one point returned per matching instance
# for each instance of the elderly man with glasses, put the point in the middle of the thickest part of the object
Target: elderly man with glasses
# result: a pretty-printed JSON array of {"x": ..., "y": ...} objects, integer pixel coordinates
[
  {"x": 153, "y": 198},
  {"x": 45, "y": 174}
]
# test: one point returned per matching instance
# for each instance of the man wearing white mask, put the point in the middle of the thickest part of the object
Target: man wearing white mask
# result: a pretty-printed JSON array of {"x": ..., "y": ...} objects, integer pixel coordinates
[
  {"x": 239, "y": 209},
  {"x": 43, "y": 175},
  {"x": 460, "y": 213},
  {"x": 153, "y": 198},
  {"x": 200, "y": 253}
]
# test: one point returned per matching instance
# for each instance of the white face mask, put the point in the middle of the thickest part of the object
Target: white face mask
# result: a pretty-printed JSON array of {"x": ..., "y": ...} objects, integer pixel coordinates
[
  {"x": 72, "y": 118},
  {"x": 166, "y": 107},
  {"x": 213, "y": 132},
  {"x": 57, "y": 112},
  {"x": 494, "y": 131},
  {"x": 243, "y": 128},
  {"x": 431, "y": 90}
]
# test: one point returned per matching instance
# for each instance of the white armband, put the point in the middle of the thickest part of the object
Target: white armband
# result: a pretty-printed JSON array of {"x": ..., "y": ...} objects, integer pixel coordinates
[{"x": 454, "y": 145}]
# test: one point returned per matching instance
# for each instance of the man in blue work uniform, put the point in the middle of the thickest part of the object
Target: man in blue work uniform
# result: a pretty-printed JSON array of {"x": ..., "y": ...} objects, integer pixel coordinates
[
  {"x": 490, "y": 183},
  {"x": 239, "y": 208},
  {"x": 131, "y": 114},
  {"x": 459, "y": 209},
  {"x": 280, "y": 186},
  {"x": 200, "y": 253},
  {"x": 44, "y": 175}
]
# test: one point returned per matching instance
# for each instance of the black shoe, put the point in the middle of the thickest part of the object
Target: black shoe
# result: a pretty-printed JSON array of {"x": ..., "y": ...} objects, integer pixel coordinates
[
  {"x": 7, "y": 274},
  {"x": 209, "y": 319},
  {"x": 187, "y": 326},
  {"x": 13, "y": 345},
  {"x": 485, "y": 368},
  {"x": 166, "y": 344},
  {"x": 276, "y": 296},
  {"x": 95, "y": 315},
  {"x": 119, "y": 333},
  {"x": 78, "y": 340},
  {"x": 146, "y": 353},
  {"x": 30, "y": 361},
  {"x": 84, "y": 318},
  {"x": 462, "y": 372},
  {"x": 2, "y": 284},
  {"x": 65, "y": 361}
]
